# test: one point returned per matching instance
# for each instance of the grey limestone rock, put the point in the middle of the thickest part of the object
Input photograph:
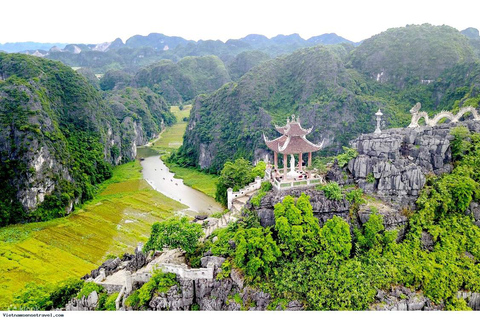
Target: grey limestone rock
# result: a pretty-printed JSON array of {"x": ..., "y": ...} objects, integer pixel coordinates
[
  {"x": 176, "y": 298},
  {"x": 84, "y": 304},
  {"x": 399, "y": 160},
  {"x": 212, "y": 260},
  {"x": 237, "y": 277},
  {"x": 138, "y": 261},
  {"x": 427, "y": 241},
  {"x": 323, "y": 208},
  {"x": 403, "y": 299},
  {"x": 472, "y": 298}
]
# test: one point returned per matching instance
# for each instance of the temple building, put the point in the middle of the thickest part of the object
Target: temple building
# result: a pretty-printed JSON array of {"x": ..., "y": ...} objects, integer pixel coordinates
[{"x": 292, "y": 142}]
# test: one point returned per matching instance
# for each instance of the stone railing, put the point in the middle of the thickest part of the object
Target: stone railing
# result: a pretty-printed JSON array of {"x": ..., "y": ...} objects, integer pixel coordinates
[
  {"x": 416, "y": 116},
  {"x": 223, "y": 221},
  {"x": 282, "y": 185},
  {"x": 182, "y": 271},
  {"x": 240, "y": 193}
]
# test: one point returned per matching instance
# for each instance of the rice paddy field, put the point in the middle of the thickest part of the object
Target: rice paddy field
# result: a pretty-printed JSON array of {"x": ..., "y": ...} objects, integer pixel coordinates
[
  {"x": 172, "y": 137},
  {"x": 113, "y": 223}
]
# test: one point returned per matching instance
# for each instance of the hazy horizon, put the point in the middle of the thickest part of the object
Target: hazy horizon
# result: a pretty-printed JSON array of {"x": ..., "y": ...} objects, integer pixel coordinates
[{"x": 91, "y": 22}]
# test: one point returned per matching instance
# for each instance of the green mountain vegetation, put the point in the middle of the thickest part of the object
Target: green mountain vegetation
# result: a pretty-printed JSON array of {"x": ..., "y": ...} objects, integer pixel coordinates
[
  {"x": 404, "y": 56},
  {"x": 334, "y": 89},
  {"x": 139, "y": 51},
  {"x": 182, "y": 81},
  {"x": 245, "y": 61},
  {"x": 59, "y": 138}
]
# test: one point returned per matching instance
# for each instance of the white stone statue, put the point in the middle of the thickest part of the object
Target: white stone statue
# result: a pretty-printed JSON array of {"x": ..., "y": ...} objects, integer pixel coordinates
[{"x": 292, "y": 173}]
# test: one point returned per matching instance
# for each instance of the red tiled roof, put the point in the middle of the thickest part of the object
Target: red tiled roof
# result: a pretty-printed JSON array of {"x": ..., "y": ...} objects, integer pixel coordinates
[
  {"x": 292, "y": 145},
  {"x": 295, "y": 129},
  {"x": 293, "y": 139}
]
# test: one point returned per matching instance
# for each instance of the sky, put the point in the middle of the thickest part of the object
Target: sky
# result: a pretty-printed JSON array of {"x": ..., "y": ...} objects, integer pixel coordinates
[{"x": 96, "y": 21}]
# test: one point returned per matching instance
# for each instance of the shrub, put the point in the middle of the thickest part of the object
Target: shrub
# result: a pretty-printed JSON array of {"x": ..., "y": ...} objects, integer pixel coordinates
[
  {"x": 133, "y": 301},
  {"x": 256, "y": 251},
  {"x": 46, "y": 297},
  {"x": 226, "y": 269},
  {"x": 347, "y": 155},
  {"x": 65, "y": 291},
  {"x": 355, "y": 196},
  {"x": 332, "y": 191},
  {"x": 237, "y": 175},
  {"x": 159, "y": 282},
  {"x": 174, "y": 233},
  {"x": 370, "y": 178},
  {"x": 110, "y": 303},
  {"x": 335, "y": 239},
  {"x": 257, "y": 198},
  {"x": 89, "y": 287},
  {"x": 33, "y": 297},
  {"x": 266, "y": 186}
]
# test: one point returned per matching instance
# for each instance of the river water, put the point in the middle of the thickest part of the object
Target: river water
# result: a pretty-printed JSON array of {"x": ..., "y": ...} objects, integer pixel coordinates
[{"x": 156, "y": 173}]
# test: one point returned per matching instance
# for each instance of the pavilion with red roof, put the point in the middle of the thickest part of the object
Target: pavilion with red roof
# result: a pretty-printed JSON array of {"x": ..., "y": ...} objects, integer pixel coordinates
[{"x": 293, "y": 141}]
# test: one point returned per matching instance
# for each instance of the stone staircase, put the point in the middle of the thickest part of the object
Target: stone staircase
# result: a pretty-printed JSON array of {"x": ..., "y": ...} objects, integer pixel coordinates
[{"x": 231, "y": 216}]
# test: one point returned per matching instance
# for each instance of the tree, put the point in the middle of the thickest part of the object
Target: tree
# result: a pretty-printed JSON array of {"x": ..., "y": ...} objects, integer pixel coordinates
[
  {"x": 174, "y": 233},
  {"x": 297, "y": 228},
  {"x": 256, "y": 251},
  {"x": 235, "y": 175},
  {"x": 335, "y": 239}
]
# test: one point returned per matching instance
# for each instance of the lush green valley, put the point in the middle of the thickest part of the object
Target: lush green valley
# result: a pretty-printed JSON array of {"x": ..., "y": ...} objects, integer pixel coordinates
[{"x": 72, "y": 194}]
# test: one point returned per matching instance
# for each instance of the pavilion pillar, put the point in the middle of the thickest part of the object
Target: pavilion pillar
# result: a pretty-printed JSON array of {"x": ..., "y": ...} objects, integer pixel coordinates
[
  {"x": 309, "y": 159},
  {"x": 300, "y": 162},
  {"x": 275, "y": 160},
  {"x": 285, "y": 166}
]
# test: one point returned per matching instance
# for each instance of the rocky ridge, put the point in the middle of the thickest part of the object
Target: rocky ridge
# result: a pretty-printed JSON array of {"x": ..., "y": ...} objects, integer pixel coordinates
[
  {"x": 228, "y": 293},
  {"x": 393, "y": 165}
]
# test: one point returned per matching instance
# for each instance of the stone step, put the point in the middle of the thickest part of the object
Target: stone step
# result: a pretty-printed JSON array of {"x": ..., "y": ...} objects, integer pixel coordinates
[{"x": 242, "y": 200}]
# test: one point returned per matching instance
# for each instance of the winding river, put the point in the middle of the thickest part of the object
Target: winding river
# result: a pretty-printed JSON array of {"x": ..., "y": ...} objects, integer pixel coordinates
[{"x": 157, "y": 174}]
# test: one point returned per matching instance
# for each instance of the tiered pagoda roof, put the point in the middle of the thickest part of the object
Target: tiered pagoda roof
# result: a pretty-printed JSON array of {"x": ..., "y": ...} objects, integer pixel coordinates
[{"x": 293, "y": 140}]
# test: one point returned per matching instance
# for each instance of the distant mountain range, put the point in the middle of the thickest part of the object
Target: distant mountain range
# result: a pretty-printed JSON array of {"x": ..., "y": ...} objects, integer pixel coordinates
[
  {"x": 12, "y": 47},
  {"x": 140, "y": 51},
  {"x": 160, "y": 41}
]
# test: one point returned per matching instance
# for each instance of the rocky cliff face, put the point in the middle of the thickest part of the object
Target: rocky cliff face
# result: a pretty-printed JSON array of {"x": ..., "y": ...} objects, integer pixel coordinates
[
  {"x": 393, "y": 165},
  {"x": 58, "y": 135}
]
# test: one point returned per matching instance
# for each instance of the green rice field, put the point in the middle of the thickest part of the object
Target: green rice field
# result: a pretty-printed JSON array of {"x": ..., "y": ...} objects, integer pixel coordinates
[{"x": 113, "y": 223}]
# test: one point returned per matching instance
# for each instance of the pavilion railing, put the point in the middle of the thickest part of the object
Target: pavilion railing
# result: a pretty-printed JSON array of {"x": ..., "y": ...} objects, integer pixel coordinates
[{"x": 282, "y": 185}]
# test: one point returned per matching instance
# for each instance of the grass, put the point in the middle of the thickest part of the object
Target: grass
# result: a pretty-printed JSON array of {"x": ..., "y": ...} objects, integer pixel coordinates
[
  {"x": 113, "y": 223},
  {"x": 201, "y": 181}
]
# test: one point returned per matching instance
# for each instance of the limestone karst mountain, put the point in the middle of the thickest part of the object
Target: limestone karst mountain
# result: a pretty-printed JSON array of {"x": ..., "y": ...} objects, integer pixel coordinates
[
  {"x": 59, "y": 137},
  {"x": 335, "y": 89}
]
